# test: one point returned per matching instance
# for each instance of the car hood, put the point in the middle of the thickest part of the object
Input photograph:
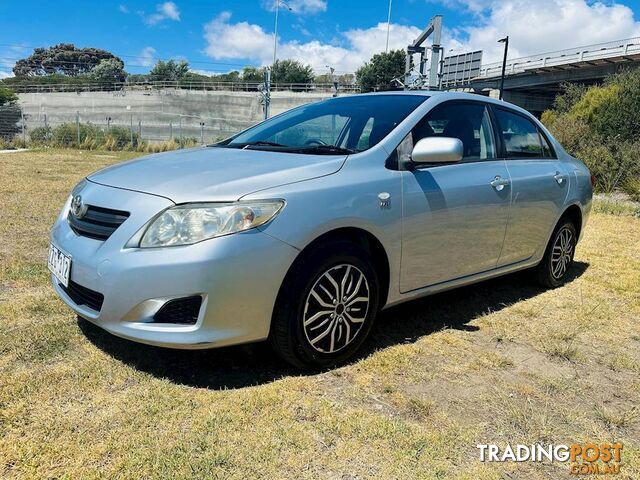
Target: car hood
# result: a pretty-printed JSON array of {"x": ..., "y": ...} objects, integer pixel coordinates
[{"x": 215, "y": 174}]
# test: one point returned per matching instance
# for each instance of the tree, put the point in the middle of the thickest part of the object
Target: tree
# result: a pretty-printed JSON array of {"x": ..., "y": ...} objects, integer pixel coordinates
[
  {"x": 7, "y": 96},
  {"x": 291, "y": 71},
  {"x": 108, "y": 71},
  {"x": 252, "y": 74},
  {"x": 170, "y": 71},
  {"x": 10, "y": 114},
  {"x": 63, "y": 58},
  {"x": 345, "y": 79},
  {"x": 380, "y": 70},
  {"x": 233, "y": 76}
]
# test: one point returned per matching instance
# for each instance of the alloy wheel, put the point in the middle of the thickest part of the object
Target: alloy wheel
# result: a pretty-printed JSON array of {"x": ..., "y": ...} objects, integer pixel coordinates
[
  {"x": 562, "y": 253},
  {"x": 336, "y": 308}
]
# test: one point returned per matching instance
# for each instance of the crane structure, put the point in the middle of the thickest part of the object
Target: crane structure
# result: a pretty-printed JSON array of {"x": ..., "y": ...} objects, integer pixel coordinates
[{"x": 434, "y": 29}]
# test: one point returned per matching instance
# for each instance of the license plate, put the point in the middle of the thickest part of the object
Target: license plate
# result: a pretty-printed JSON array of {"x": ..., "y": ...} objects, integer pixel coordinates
[{"x": 60, "y": 264}]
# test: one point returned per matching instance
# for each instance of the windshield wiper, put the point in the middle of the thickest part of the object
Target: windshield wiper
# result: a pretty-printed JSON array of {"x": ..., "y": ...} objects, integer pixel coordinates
[
  {"x": 261, "y": 143},
  {"x": 327, "y": 150}
]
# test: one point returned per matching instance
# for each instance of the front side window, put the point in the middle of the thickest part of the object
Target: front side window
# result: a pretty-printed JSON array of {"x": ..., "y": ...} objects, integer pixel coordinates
[
  {"x": 469, "y": 122},
  {"x": 340, "y": 125},
  {"x": 520, "y": 136}
]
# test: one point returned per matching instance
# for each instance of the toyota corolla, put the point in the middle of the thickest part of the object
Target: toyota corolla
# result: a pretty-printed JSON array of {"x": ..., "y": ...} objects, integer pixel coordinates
[{"x": 302, "y": 228}]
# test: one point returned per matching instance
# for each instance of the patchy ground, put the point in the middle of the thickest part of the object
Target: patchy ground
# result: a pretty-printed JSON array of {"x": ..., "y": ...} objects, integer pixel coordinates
[{"x": 503, "y": 361}]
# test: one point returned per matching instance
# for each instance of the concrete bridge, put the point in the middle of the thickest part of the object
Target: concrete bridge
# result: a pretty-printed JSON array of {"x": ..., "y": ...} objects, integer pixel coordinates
[{"x": 533, "y": 82}]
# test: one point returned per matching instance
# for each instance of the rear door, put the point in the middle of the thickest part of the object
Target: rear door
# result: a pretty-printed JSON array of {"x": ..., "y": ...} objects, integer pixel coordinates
[
  {"x": 539, "y": 183},
  {"x": 454, "y": 216}
]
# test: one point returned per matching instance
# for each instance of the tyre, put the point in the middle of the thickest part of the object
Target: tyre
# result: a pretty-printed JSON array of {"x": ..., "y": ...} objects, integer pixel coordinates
[
  {"x": 558, "y": 257},
  {"x": 326, "y": 306}
]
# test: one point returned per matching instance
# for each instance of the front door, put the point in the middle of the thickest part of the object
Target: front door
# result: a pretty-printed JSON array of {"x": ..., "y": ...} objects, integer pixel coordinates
[{"x": 454, "y": 216}]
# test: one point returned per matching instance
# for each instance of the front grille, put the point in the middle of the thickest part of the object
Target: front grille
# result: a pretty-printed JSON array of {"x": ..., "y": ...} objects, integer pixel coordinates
[
  {"x": 97, "y": 223},
  {"x": 181, "y": 310},
  {"x": 84, "y": 296}
]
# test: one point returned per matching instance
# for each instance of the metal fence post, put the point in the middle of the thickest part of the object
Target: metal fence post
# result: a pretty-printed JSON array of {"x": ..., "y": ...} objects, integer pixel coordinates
[
  {"x": 78, "y": 125},
  {"x": 170, "y": 131},
  {"x": 202, "y": 133},
  {"x": 140, "y": 129},
  {"x": 24, "y": 136}
]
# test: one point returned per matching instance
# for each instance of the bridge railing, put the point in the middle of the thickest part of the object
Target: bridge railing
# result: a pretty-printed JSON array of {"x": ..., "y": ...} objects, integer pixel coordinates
[
  {"x": 36, "y": 87},
  {"x": 600, "y": 51}
]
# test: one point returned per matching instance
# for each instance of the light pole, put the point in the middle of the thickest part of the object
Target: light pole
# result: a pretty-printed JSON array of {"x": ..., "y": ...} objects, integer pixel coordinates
[
  {"x": 504, "y": 40},
  {"x": 388, "y": 27},
  {"x": 268, "y": 71},
  {"x": 275, "y": 30}
]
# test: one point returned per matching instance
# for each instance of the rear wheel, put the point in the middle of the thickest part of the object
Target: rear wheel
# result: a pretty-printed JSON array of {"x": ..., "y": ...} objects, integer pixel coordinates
[
  {"x": 554, "y": 267},
  {"x": 326, "y": 306}
]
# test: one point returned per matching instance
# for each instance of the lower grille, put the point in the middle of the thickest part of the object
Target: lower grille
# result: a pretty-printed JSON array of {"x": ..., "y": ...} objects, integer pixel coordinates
[
  {"x": 97, "y": 222},
  {"x": 84, "y": 296},
  {"x": 181, "y": 310}
]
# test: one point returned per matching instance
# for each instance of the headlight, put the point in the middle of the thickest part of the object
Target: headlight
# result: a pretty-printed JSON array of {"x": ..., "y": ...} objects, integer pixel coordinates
[{"x": 192, "y": 223}]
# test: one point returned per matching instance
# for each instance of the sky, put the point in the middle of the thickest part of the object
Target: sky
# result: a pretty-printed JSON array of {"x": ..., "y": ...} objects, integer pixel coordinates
[{"x": 218, "y": 36}]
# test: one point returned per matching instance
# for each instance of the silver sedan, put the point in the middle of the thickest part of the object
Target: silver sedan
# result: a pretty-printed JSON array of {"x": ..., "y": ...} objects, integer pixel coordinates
[{"x": 302, "y": 228}]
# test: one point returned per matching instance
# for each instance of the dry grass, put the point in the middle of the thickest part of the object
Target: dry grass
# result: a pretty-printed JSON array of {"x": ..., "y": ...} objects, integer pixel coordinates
[{"x": 499, "y": 362}]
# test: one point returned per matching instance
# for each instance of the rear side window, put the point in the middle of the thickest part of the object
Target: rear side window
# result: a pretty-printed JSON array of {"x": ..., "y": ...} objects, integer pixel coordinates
[{"x": 520, "y": 136}]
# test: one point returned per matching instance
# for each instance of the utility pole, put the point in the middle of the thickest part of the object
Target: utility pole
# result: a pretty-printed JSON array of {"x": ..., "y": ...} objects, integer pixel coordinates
[
  {"x": 388, "y": 27},
  {"x": 275, "y": 34},
  {"x": 504, "y": 40},
  {"x": 266, "y": 92},
  {"x": 275, "y": 30}
]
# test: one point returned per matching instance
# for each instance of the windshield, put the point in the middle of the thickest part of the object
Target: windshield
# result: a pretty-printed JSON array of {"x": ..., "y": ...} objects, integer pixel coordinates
[{"x": 340, "y": 125}]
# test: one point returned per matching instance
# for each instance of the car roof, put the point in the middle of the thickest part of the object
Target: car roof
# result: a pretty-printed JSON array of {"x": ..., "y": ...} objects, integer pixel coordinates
[{"x": 451, "y": 96}]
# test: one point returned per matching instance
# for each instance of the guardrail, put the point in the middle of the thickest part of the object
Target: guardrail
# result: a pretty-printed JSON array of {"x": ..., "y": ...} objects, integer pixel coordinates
[
  {"x": 590, "y": 53},
  {"x": 197, "y": 86}
]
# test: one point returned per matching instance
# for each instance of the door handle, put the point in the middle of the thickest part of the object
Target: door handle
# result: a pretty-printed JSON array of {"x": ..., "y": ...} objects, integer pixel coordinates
[
  {"x": 560, "y": 177},
  {"x": 499, "y": 183}
]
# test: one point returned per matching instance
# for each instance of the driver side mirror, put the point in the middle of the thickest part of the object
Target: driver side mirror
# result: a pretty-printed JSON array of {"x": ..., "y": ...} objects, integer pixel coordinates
[{"x": 438, "y": 150}]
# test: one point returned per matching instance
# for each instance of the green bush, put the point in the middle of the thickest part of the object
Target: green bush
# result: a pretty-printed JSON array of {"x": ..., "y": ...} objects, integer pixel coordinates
[
  {"x": 600, "y": 125},
  {"x": 41, "y": 135},
  {"x": 121, "y": 138},
  {"x": 74, "y": 135},
  {"x": 186, "y": 142},
  {"x": 632, "y": 187},
  {"x": 93, "y": 137}
]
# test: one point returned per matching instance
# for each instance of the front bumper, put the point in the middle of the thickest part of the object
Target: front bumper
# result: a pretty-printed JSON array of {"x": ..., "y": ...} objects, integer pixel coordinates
[{"x": 238, "y": 277}]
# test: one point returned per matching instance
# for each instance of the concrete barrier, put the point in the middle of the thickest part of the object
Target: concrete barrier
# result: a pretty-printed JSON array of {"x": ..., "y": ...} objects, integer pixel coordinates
[{"x": 159, "y": 114}]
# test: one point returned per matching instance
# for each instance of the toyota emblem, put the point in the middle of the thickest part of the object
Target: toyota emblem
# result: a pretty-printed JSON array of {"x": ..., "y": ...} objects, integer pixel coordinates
[{"x": 78, "y": 209}]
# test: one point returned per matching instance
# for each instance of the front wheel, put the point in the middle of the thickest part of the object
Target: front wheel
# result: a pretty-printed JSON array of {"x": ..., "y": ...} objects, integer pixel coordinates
[
  {"x": 558, "y": 257},
  {"x": 326, "y": 306}
]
